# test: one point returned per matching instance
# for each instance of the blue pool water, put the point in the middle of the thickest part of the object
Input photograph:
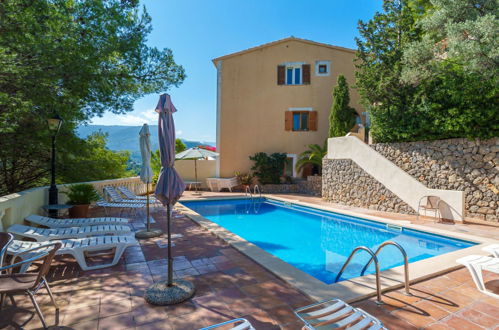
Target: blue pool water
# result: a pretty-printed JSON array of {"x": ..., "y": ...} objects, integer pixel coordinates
[{"x": 319, "y": 242}]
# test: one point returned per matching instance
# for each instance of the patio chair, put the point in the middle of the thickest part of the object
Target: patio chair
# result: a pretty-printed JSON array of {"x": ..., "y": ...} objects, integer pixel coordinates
[
  {"x": 476, "y": 264},
  {"x": 492, "y": 249},
  {"x": 432, "y": 204},
  {"x": 29, "y": 283},
  {"x": 44, "y": 234},
  {"x": 130, "y": 195},
  {"x": 80, "y": 248},
  {"x": 5, "y": 240},
  {"x": 77, "y": 222},
  {"x": 236, "y": 324},
  {"x": 335, "y": 313}
]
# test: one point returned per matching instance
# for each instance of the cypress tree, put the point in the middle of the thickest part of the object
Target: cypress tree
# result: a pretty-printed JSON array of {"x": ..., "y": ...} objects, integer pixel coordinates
[{"x": 342, "y": 116}]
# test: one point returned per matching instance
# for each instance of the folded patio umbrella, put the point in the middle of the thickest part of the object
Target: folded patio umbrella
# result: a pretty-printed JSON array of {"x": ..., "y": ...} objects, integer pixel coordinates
[
  {"x": 146, "y": 177},
  {"x": 168, "y": 190}
]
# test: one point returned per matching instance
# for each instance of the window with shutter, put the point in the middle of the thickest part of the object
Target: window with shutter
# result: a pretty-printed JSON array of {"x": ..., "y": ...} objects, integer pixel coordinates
[
  {"x": 312, "y": 121},
  {"x": 306, "y": 74},
  {"x": 281, "y": 74},
  {"x": 288, "y": 121}
]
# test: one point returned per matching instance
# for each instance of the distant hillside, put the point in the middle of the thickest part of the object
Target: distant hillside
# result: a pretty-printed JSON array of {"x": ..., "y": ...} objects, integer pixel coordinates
[{"x": 127, "y": 138}]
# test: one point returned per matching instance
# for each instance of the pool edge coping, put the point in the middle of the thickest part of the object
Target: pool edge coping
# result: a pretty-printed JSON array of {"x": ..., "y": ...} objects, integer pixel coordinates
[{"x": 354, "y": 289}]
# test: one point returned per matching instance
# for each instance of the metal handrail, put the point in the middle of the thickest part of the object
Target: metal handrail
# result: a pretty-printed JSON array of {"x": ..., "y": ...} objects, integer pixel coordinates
[
  {"x": 373, "y": 257},
  {"x": 248, "y": 192},
  {"x": 406, "y": 263},
  {"x": 255, "y": 190}
]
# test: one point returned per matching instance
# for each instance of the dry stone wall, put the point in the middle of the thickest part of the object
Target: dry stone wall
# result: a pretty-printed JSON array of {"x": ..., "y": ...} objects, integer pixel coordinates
[
  {"x": 455, "y": 164},
  {"x": 344, "y": 182}
]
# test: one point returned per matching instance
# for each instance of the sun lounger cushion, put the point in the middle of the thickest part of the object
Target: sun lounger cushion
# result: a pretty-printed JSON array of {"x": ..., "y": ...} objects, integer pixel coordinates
[
  {"x": 78, "y": 222},
  {"x": 47, "y": 234}
]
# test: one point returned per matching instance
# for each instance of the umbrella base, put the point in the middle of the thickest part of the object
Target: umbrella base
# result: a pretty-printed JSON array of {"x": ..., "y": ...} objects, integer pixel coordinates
[
  {"x": 144, "y": 234},
  {"x": 161, "y": 294}
]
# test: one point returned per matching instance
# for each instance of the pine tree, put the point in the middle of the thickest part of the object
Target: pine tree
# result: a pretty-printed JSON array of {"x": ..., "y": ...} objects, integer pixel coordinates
[{"x": 342, "y": 116}]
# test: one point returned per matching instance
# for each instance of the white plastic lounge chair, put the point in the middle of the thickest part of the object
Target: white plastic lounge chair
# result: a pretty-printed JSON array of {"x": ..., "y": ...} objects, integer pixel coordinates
[
  {"x": 131, "y": 207},
  {"x": 44, "y": 234},
  {"x": 236, "y": 324},
  {"x": 80, "y": 248},
  {"x": 130, "y": 195},
  {"x": 335, "y": 313},
  {"x": 492, "y": 249},
  {"x": 77, "y": 222},
  {"x": 217, "y": 184},
  {"x": 476, "y": 264},
  {"x": 115, "y": 196}
]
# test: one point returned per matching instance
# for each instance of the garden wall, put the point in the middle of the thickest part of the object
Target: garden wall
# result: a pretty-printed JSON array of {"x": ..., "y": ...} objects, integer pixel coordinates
[
  {"x": 312, "y": 186},
  {"x": 455, "y": 164}
]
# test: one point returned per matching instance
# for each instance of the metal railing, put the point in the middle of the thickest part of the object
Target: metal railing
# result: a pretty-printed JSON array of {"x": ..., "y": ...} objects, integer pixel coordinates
[
  {"x": 247, "y": 192},
  {"x": 406, "y": 263},
  {"x": 375, "y": 259},
  {"x": 257, "y": 189}
]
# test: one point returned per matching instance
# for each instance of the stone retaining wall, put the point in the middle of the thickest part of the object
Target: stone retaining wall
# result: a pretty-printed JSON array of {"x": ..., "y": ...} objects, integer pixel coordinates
[
  {"x": 455, "y": 164},
  {"x": 312, "y": 186},
  {"x": 344, "y": 182}
]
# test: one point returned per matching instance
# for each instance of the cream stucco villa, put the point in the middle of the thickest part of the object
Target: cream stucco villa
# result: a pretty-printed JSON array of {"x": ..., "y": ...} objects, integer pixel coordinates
[{"x": 276, "y": 98}]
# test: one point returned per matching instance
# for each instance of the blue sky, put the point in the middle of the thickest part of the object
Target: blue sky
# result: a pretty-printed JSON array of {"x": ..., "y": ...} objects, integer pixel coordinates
[{"x": 198, "y": 31}]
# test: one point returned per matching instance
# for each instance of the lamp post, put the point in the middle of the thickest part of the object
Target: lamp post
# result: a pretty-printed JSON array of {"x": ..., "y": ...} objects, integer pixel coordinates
[{"x": 54, "y": 125}]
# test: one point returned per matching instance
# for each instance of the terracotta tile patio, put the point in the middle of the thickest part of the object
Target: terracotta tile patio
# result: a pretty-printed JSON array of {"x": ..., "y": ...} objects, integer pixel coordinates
[{"x": 229, "y": 285}]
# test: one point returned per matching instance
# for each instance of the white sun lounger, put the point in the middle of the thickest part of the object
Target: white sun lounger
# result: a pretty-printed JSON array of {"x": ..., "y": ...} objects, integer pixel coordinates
[
  {"x": 492, "y": 249},
  {"x": 80, "y": 248},
  {"x": 77, "y": 222},
  {"x": 236, "y": 324},
  {"x": 130, "y": 195},
  {"x": 115, "y": 197},
  {"x": 48, "y": 234},
  {"x": 335, "y": 313},
  {"x": 476, "y": 264}
]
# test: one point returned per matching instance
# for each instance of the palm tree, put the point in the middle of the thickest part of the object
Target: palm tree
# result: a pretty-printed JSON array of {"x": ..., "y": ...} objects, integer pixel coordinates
[{"x": 312, "y": 156}]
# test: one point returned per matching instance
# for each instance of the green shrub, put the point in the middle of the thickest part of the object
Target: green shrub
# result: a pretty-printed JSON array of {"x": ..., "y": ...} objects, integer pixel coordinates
[
  {"x": 81, "y": 194},
  {"x": 268, "y": 168},
  {"x": 245, "y": 179},
  {"x": 342, "y": 115}
]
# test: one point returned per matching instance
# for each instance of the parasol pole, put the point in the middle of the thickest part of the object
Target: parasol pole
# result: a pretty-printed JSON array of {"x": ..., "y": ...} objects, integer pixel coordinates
[
  {"x": 170, "y": 257},
  {"x": 147, "y": 207}
]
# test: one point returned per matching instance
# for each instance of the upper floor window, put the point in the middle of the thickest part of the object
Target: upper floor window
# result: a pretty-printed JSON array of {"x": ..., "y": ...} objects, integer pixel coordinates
[
  {"x": 322, "y": 68},
  {"x": 293, "y": 74}
]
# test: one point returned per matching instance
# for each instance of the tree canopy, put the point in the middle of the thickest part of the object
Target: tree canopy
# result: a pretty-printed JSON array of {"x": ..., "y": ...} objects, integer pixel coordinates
[
  {"x": 427, "y": 69},
  {"x": 78, "y": 59}
]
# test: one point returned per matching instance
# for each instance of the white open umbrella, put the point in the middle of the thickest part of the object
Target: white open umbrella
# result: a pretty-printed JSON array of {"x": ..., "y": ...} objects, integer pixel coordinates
[{"x": 195, "y": 154}]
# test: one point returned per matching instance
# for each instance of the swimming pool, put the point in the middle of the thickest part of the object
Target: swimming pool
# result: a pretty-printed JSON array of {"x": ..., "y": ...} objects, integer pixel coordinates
[{"x": 318, "y": 242}]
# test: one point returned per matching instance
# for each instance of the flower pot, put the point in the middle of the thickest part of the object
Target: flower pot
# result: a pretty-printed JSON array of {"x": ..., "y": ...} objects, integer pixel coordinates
[{"x": 79, "y": 211}]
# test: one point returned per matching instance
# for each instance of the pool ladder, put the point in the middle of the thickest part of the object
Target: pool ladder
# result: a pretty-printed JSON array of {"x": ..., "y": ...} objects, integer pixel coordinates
[
  {"x": 256, "y": 190},
  {"x": 374, "y": 258}
]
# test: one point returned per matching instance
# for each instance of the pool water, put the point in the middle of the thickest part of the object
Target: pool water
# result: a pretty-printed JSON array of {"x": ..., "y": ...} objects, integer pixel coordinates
[{"x": 319, "y": 242}]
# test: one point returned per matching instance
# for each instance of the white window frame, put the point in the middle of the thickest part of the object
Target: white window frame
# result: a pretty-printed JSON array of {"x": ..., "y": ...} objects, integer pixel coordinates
[
  {"x": 293, "y": 65},
  {"x": 295, "y": 159},
  {"x": 328, "y": 65}
]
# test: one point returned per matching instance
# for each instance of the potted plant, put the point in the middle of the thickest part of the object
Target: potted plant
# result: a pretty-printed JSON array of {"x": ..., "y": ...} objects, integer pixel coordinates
[
  {"x": 245, "y": 179},
  {"x": 81, "y": 196}
]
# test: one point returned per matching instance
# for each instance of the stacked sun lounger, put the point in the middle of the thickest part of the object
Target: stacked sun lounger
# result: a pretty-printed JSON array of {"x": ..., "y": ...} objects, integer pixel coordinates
[
  {"x": 80, "y": 238},
  {"x": 476, "y": 264}
]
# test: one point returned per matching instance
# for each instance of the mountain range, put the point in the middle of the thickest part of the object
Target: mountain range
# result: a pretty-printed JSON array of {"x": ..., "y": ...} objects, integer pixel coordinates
[{"x": 127, "y": 138}]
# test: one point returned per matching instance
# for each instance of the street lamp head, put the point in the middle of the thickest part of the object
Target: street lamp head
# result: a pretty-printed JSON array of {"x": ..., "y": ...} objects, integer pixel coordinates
[{"x": 55, "y": 123}]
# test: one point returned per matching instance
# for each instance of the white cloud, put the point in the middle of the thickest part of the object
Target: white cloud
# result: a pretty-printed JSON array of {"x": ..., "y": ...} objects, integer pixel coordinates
[
  {"x": 179, "y": 132},
  {"x": 134, "y": 118}
]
